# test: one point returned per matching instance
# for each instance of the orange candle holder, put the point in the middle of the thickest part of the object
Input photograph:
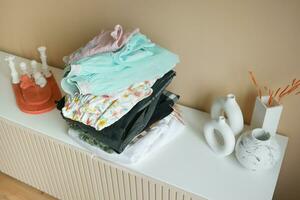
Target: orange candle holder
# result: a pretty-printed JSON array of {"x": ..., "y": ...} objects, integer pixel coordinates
[{"x": 33, "y": 99}]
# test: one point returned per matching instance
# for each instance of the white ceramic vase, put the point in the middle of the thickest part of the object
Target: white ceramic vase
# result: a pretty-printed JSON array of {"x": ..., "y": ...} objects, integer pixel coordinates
[
  {"x": 219, "y": 136},
  {"x": 266, "y": 117},
  {"x": 232, "y": 110},
  {"x": 257, "y": 149}
]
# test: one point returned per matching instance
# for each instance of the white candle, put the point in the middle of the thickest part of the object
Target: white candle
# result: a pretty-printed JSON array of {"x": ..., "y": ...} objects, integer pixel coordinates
[
  {"x": 39, "y": 79},
  {"x": 43, "y": 56},
  {"x": 13, "y": 71},
  {"x": 24, "y": 69},
  {"x": 33, "y": 64}
]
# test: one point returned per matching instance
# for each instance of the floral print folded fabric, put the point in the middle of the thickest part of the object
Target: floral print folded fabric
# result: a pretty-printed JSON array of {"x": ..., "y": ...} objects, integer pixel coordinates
[{"x": 102, "y": 111}]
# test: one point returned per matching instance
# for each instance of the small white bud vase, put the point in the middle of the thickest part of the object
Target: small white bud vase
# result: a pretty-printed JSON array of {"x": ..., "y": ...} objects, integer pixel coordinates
[
  {"x": 257, "y": 150},
  {"x": 220, "y": 127},
  {"x": 232, "y": 110},
  {"x": 266, "y": 117}
]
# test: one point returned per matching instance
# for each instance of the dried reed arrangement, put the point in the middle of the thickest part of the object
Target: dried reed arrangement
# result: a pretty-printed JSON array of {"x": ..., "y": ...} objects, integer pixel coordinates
[{"x": 277, "y": 94}]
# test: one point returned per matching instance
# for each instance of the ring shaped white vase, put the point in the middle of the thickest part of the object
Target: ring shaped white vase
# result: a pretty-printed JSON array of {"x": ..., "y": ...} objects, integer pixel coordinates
[
  {"x": 225, "y": 132},
  {"x": 230, "y": 107},
  {"x": 257, "y": 149}
]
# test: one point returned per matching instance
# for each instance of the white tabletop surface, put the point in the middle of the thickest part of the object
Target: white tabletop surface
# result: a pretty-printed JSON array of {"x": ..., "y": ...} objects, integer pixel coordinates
[{"x": 186, "y": 162}]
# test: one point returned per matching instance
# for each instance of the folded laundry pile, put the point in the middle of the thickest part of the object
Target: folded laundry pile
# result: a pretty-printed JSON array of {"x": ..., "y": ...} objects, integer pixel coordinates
[
  {"x": 116, "y": 95},
  {"x": 139, "y": 148}
]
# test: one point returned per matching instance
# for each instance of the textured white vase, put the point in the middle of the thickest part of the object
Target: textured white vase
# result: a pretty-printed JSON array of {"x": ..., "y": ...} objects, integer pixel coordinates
[
  {"x": 220, "y": 127},
  {"x": 266, "y": 117},
  {"x": 257, "y": 149},
  {"x": 232, "y": 110}
]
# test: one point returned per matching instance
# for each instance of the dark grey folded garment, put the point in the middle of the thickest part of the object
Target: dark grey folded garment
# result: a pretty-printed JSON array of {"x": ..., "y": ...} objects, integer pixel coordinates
[
  {"x": 151, "y": 109},
  {"x": 163, "y": 109}
]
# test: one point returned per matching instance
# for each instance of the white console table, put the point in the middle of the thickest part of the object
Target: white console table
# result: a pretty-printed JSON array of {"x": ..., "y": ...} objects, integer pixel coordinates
[{"x": 37, "y": 150}]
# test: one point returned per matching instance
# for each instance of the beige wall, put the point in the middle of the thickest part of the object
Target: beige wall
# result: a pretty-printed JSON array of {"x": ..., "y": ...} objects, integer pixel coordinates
[{"x": 218, "y": 42}]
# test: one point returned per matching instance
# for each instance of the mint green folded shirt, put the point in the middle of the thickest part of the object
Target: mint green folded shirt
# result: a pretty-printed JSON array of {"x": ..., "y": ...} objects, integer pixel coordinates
[{"x": 112, "y": 72}]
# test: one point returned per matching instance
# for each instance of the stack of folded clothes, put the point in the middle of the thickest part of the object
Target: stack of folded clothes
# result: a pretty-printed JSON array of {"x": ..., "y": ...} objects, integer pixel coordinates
[{"x": 116, "y": 100}]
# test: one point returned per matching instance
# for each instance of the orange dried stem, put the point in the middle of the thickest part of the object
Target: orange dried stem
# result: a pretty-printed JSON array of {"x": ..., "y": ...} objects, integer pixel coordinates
[
  {"x": 254, "y": 82},
  {"x": 293, "y": 88},
  {"x": 270, "y": 98},
  {"x": 282, "y": 92},
  {"x": 253, "y": 78},
  {"x": 276, "y": 92},
  {"x": 289, "y": 89},
  {"x": 259, "y": 93}
]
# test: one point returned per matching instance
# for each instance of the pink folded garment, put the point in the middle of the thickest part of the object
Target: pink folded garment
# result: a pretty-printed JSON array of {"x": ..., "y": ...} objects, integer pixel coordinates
[{"x": 106, "y": 41}]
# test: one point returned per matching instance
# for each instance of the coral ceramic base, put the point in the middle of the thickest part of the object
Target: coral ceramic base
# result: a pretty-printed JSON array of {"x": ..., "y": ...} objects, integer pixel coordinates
[{"x": 37, "y": 100}]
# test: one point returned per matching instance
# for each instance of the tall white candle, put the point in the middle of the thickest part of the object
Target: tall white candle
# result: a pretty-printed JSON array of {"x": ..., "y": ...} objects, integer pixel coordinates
[
  {"x": 43, "y": 56},
  {"x": 13, "y": 71}
]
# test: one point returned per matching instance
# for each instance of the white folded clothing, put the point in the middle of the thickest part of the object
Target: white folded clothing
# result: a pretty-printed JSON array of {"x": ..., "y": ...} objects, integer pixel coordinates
[{"x": 147, "y": 142}]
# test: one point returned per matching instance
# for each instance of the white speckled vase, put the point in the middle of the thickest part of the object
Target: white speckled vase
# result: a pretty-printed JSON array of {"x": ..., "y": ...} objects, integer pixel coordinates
[{"x": 257, "y": 149}]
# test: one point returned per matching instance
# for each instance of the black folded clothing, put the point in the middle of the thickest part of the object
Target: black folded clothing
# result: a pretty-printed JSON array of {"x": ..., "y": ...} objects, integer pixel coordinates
[
  {"x": 164, "y": 107},
  {"x": 142, "y": 115}
]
